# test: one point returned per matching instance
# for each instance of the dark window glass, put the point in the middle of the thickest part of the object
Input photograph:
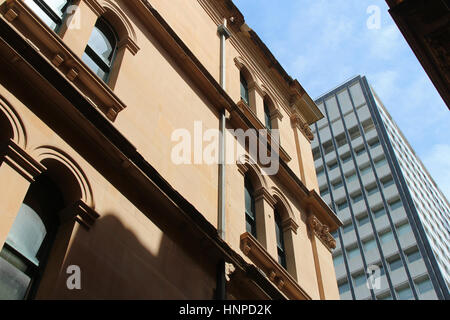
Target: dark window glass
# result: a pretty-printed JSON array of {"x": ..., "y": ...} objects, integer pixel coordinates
[
  {"x": 250, "y": 217},
  {"x": 52, "y": 12},
  {"x": 101, "y": 49},
  {"x": 29, "y": 240},
  {"x": 244, "y": 90},
  {"x": 267, "y": 116},
  {"x": 280, "y": 240}
]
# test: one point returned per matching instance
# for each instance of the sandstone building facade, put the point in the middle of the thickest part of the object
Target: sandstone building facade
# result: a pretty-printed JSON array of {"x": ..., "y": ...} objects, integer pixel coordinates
[{"x": 91, "y": 92}]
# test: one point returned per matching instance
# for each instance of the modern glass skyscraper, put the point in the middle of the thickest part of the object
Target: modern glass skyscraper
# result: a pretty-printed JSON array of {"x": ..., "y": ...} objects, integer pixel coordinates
[{"x": 395, "y": 240}]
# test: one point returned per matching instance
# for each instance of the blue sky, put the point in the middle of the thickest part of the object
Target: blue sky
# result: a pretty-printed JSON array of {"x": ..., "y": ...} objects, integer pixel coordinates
[{"x": 323, "y": 43}]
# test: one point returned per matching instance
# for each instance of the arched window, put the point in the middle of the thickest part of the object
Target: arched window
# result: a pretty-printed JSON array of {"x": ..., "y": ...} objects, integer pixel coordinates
[
  {"x": 280, "y": 240},
  {"x": 244, "y": 89},
  {"x": 101, "y": 49},
  {"x": 267, "y": 117},
  {"x": 250, "y": 214},
  {"x": 52, "y": 12},
  {"x": 25, "y": 252}
]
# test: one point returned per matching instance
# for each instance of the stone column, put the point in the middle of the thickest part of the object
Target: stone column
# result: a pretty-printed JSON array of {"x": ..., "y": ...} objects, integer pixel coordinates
[
  {"x": 17, "y": 172},
  {"x": 265, "y": 221}
]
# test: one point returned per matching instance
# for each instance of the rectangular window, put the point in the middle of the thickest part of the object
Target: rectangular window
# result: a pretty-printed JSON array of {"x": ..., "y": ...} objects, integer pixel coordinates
[
  {"x": 387, "y": 181},
  {"x": 378, "y": 213},
  {"x": 343, "y": 205},
  {"x": 363, "y": 220},
  {"x": 328, "y": 147},
  {"x": 395, "y": 205},
  {"x": 413, "y": 256},
  {"x": 341, "y": 140},
  {"x": 395, "y": 264},
  {"x": 320, "y": 171},
  {"x": 424, "y": 286},
  {"x": 344, "y": 287},
  {"x": 359, "y": 280},
  {"x": 351, "y": 177},
  {"x": 316, "y": 153},
  {"x": 403, "y": 229},
  {"x": 356, "y": 198},
  {"x": 324, "y": 192},
  {"x": 374, "y": 143},
  {"x": 354, "y": 133},
  {"x": 244, "y": 90},
  {"x": 351, "y": 253},
  {"x": 380, "y": 162},
  {"x": 347, "y": 228},
  {"x": 386, "y": 237},
  {"x": 337, "y": 184},
  {"x": 405, "y": 293},
  {"x": 360, "y": 151},
  {"x": 368, "y": 125},
  {"x": 372, "y": 190},
  {"x": 338, "y": 260},
  {"x": 332, "y": 166},
  {"x": 369, "y": 244},
  {"x": 346, "y": 158},
  {"x": 365, "y": 170}
]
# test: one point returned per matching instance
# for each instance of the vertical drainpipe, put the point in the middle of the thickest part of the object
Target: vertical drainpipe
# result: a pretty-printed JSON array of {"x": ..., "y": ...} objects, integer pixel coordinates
[{"x": 224, "y": 34}]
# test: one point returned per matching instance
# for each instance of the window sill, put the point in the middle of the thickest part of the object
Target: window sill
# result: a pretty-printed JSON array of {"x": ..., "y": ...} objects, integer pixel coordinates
[
  {"x": 55, "y": 50},
  {"x": 273, "y": 270}
]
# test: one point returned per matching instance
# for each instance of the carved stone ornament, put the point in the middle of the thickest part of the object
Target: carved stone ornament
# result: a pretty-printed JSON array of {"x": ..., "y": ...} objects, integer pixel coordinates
[{"x": 322, "y": 231}]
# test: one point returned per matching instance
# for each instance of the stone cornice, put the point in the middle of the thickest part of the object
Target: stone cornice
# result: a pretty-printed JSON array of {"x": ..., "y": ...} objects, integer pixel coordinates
[
  {"x": 56, "y": 51},
  {"x": 289, "y": 224},
  {"x": 322, "y": 232},
  {"x": 21, "y": 161},
  {"x": 272, "y": 269}
]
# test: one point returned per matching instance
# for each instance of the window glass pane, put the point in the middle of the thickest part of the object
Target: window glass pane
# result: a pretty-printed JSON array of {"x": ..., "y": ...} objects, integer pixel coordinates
[
  {"x": 267, "y": 116},
  {"x": 413, "y": 256},
  {"x": 359, "y": 280},
  {"x": 44, "y": 17},
  {"x": 424, "y": 286},
  {"x": 386, "y": 237},
  {"x": 101, "y": 45},
  {"x": 244, "y": 89},
  {"x": 369, "y": 245},
  {"x": 396, "y": 264},
  {"x": 363, "y": 220},
  {"x": 57, "y": 6},
  {"x": 348, "y": 228},
  {"x": 337, "y": 260},
  {"x": 27, "y": 233},
  {"x": 352, "y": 252},
  {"x": 403, "y": 229},
  {"x": 344, "y": 287},
  {"x": 395, "y": 205},
  {"x": 405, "y": 294},
  {"x": 93, "y": 66},
  {"x": 379, "y": 213},
  {"x": 13, "y": 281}
]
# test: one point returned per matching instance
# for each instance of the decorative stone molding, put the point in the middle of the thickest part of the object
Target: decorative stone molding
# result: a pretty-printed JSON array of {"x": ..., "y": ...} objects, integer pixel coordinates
[
  {"x": 271, "y": 268},
  {"x": 229, "y": 270},
  {"x": 298, "y": 122},
  {"x": 21, "y": 161},
  {"x": 81, "y": 212},
  {"x": 322, "y": 231},
  {"x": 290, "y": 225},
  {"x": 95, "y": 6},
  {"x": 263, "y": 193}
]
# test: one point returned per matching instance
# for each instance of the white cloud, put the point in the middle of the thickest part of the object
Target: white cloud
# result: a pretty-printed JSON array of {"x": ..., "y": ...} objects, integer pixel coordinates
[{"x": 437, "y": 162}]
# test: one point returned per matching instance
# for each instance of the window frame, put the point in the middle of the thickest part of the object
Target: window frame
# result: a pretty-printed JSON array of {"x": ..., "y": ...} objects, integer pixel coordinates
[
  {"x": 52, "y": 15},
  {"x": 90, "y": 52}
]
